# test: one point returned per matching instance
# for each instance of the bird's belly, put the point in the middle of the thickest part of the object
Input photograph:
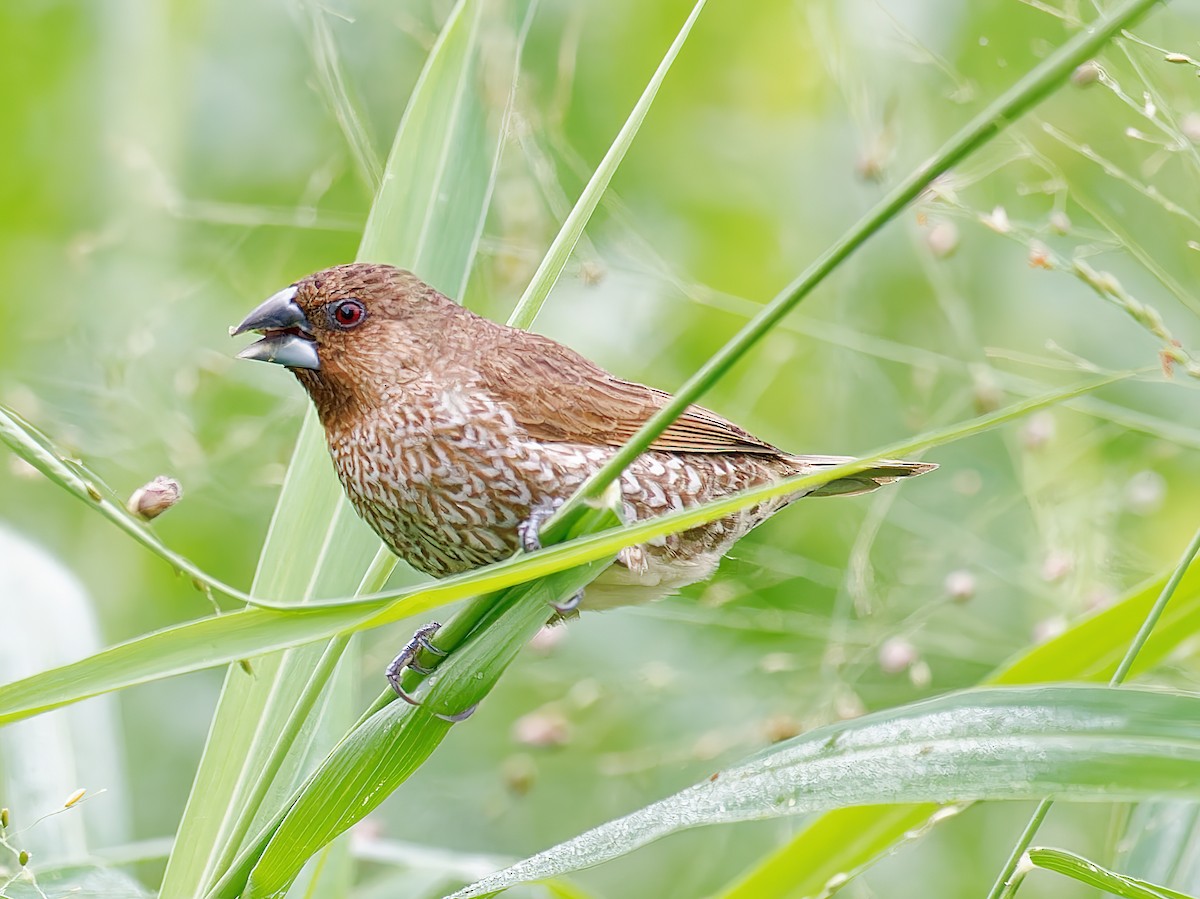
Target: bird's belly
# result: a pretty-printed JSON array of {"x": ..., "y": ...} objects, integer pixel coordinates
[
  {"x": 657, "y": 575},
  {"x": 450, "y": 497}
]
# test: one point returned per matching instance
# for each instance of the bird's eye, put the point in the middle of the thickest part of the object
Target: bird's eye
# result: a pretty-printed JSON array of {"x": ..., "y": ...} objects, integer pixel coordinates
[{"x": 348, "y": 314}]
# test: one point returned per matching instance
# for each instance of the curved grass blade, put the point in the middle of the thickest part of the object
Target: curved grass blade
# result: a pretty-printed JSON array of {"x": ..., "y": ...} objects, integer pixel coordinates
[
  {"x": 226, "y": 638},
  {"x": 34, "y": 447},
  {"x": 572, "y": 228},
  {"x": 381, "y": 753},
  {"x": 1080, "y": 743},
  {"x": 1035, "y": 86},
  {"x": 435, "y": 188},
  {"x": 1079, "y": 868}
]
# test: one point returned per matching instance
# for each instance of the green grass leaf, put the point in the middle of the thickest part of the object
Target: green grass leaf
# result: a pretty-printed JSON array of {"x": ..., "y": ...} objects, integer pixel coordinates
[
  {"x": 224, "y": 638},
  {"x": 572, "y": 228},
  {"x": 1080, "y": 743},
  {"x": 427, "y": 216},
  {"x": 1034, "y": 87},
  {"x": 385, "y": 749},
  {"x": 1079, "y": 868}
]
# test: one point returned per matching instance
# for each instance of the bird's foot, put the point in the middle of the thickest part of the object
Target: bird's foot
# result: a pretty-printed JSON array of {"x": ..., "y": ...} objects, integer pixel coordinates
[
  {"x": 528, "y": 532},
  {"x": 408, "y": 659},
  {"x": 569, "y": 608}
]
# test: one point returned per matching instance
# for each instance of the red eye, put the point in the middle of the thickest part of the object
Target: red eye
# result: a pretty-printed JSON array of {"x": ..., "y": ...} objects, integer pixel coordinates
[{"x": 348, "y": 313}]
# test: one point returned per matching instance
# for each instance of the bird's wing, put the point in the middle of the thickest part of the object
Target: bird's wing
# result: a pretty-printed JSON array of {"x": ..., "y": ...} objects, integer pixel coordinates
[{"x": 558, "y": 395}]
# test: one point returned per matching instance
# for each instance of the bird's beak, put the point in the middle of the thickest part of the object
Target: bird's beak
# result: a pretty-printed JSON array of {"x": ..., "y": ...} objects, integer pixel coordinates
[{"x": 287, "y": 335}]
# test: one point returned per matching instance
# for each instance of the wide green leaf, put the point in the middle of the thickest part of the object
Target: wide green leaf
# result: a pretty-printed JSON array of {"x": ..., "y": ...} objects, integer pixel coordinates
[
  {"x": 1080, "y": 743},
  {"x": 426, "y": 217},
  {"x": 384, "y": 750},
  {"x": 847, "y": 840}
]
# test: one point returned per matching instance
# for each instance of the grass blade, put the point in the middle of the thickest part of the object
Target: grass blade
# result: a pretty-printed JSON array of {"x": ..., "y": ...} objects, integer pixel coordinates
[
  {"x": 1021, "y": 97},
  {"x": 572, "y": 228},
  {"x": 225, "y": 638},
  {"x": 385, "y": 749},
  {"x": 1079, "y": 868},
  {"x": 425, "y": 216},
  {"x": 1074, "y": 742}
]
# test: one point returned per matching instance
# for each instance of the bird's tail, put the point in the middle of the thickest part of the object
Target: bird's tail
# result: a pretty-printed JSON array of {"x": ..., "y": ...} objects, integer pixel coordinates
[{"x": 878, "y": 475}]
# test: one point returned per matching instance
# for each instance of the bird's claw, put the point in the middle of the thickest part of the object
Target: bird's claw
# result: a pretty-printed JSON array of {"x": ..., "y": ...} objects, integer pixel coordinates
[
  {"x": 568, "y": 606},
  {"x": 529, "y": 533},
  {"x": 529, "y": 530},
  {"x": 459, "y": 716},
  {"x": 406, "y": 659}
]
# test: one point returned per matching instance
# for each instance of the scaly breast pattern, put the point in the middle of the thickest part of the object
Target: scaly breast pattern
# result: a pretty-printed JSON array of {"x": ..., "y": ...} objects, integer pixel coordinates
[{"x": 445, "y": 475}]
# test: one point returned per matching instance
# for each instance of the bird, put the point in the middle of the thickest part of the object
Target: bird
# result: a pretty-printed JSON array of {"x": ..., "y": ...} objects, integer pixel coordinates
[{"x": 455, "y": 437}]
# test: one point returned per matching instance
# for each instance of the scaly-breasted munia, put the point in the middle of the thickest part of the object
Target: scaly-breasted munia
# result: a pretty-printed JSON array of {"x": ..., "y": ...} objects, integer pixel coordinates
[{"x": 449, "y": 431}]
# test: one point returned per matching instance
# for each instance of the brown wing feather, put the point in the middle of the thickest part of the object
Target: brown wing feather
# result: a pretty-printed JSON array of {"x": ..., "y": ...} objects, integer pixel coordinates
[{"x": 557, "y": 394}]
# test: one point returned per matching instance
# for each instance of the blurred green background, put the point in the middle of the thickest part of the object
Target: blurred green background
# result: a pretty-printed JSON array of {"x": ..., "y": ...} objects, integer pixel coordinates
[{"x": 166, "y": 166}]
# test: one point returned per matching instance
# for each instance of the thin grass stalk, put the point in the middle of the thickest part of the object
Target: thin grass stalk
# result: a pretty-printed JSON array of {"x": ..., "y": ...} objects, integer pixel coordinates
[
  {"x": 374, "y": 579},
  {"x": 323, "y": 619},
  {"x": 1021, "y": 97},
  {"x": 1088, "y": 872},
  {"x": 1007, "y": 883},
  {"x": 552, "y": 263},
  {"x": 398, "y": 743}
]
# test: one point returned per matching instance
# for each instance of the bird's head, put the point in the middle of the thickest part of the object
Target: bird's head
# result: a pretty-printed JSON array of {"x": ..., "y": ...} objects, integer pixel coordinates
[{"x": 345, "y": 329}]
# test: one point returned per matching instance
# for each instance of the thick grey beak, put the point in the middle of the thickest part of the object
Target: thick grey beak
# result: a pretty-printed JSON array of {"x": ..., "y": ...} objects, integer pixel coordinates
[{"x": 287, "y": 335}]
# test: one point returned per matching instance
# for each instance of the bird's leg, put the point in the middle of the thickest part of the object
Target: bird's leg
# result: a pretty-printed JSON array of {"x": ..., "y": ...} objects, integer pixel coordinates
[
  {"x": 528, "y": 530},
  {"x": 407, "y": 659},
  {"x": 531, "y": 541}
]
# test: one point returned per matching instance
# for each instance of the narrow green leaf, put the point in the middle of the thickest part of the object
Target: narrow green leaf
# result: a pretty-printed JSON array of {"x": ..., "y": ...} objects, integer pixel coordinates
[
  {"x": 1080, "y": 743},
  {"x": 426, "y": 217},
  {"x": 39, "y": 451},
  {"x": 572, "y": 228},
  {"x": 1079, "y": 868},
  {"x": 437, "y": 180},
  {"x": 845, "y": 841},
  {"x": 1035, "y": 86},
  {"x": 393, "y": 741},
  {"x": 218, "y": 640}
]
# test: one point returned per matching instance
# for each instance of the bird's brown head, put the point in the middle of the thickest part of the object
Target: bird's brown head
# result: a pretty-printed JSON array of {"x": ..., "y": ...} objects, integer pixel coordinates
[{"x": 347, "y": 331}]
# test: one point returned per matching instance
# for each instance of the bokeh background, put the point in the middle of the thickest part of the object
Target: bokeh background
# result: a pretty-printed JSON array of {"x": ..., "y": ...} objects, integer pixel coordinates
[{"x": 166, "y": 166}]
